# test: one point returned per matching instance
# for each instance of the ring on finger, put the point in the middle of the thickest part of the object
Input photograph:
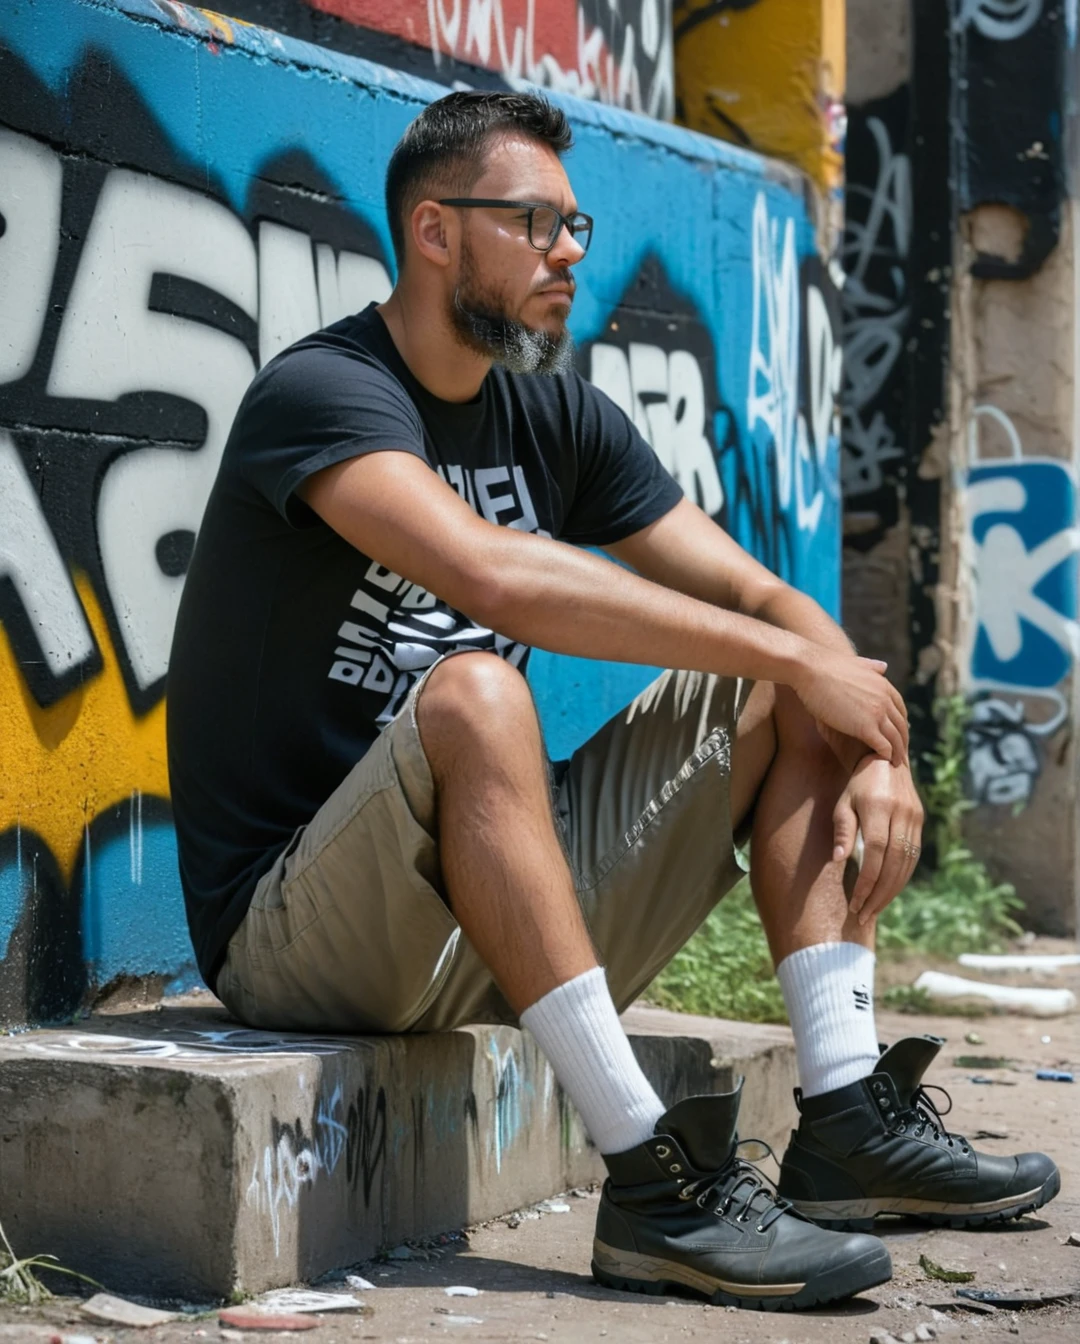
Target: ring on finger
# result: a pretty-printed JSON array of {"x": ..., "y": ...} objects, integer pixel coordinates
[{"x": 911, "y": 850}]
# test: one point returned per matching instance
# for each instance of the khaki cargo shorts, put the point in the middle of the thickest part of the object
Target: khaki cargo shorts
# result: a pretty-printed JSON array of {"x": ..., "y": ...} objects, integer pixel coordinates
[{"x": 351, "y": 931}]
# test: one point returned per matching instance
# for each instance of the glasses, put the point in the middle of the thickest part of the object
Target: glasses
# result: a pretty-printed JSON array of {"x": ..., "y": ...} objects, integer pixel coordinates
[{"x": 545, "y": 222}]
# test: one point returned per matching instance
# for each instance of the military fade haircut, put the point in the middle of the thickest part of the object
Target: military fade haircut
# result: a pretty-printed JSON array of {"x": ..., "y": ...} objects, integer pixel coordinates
[{"x": 445, "y": 149}]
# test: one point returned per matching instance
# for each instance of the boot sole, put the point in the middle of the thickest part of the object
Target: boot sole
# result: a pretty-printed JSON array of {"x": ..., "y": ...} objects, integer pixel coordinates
[
  {"x": 633, "y": 1272},
  {"x": 857, "y": 1215}
]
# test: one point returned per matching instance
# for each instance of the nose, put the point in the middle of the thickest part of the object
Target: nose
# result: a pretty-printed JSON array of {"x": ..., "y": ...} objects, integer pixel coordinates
[{"x": 565, "y": 250}]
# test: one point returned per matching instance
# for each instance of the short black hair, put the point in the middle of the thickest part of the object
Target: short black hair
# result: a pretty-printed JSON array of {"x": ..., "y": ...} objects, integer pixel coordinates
[{"x": 448, "y": 142}]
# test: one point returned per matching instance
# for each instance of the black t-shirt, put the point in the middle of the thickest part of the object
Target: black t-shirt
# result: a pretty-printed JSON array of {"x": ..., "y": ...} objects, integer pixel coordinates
[{"x": 292, "y": 649}]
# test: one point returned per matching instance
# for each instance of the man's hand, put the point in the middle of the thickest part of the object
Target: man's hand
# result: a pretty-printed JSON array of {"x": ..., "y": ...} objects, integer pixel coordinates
[
  {"x": 850, "y": 696},
  {"x": 881, "y": 800}
]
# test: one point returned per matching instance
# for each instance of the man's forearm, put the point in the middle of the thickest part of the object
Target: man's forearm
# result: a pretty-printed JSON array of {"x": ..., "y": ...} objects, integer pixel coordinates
[
  {"x": 788, "y": 609},
  {"x": 559, "y": 598}
]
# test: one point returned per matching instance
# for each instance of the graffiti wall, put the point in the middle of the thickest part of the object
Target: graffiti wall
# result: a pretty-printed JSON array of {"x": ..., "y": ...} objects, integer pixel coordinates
[
  {"x": 182, "y": 196},
  {"x": 614, "y": 51},
  {"x": 768, "y": 75}
]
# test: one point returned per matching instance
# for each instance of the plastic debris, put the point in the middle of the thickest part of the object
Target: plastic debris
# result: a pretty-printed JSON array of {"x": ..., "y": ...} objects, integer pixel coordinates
[
  {"x": 451, "y": 1319},
  {"x": 1044, "y": 1040},
  {"x": 973, "y": 1038},
  {"x": 983, "y": 961},
  {"x": 119, "y": 1311},
  {"x": 991, "y": 1082},
  {"x": 307, "y": 1299},
  {"x": 553, "y": 1206},
  {"x": 461, "y": 1290},
  {"x": 400, "y": 1253},
  {"x": 1054, "y": 1076},
  {"x": 1073, "y": 1239},
  {"x": 924, "y": 1332},
  {"x": 983, "y": 1062},
  {"x": 1031, "y": 1002},
  {"x": 358, "y": 1282},
  {"x": 943, "y": 1275},
  {"x": 72, "y": 1339},
  {"x": 1012, "y": 1299},
  {"x": 244, "y": 1319}
]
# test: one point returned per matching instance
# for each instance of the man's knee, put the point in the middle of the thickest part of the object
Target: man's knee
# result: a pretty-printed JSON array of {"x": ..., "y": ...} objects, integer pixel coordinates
[
  {"x": 472, "y": 696},
  {"x": 797, "y": 734}
]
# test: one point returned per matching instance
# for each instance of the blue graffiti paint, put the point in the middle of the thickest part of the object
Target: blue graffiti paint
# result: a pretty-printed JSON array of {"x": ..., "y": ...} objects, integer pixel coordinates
[
  {"x": 14, "y": 889},
  {"x": 1023, "y": 520},
  {"x": 133, "y": 912}
]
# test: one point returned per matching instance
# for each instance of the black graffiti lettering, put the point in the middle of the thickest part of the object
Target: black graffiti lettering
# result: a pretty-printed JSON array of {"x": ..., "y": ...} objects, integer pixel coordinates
[{"x": 365, "y": 1139}]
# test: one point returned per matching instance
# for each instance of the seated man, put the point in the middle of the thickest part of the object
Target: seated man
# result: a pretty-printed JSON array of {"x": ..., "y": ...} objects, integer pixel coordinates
[{"x": 371, "y": 837}]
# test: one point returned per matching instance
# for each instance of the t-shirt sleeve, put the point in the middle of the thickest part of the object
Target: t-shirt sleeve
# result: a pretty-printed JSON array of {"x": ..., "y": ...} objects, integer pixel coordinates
[
  {"x": 622, "y": 486},
  {"x": 310, "y": 409}
]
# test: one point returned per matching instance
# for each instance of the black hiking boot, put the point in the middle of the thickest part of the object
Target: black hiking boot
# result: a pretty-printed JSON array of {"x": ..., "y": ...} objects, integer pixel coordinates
[
  {"x": 683, "y": 1211},
  {"x": 879, "y": 1146}
]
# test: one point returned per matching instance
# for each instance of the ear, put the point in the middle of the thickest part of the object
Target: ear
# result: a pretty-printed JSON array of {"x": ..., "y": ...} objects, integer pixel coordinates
[{"x": 428, "y": 225}]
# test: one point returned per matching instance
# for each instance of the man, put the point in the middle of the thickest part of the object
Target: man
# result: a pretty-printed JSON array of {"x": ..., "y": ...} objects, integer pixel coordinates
[{"x": 362, "y": 797}]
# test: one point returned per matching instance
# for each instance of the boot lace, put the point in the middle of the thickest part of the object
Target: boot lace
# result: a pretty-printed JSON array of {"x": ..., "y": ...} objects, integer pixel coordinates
[
  {"x": 739, "y": 1184},
  {"x": 923, "y": 1114}
]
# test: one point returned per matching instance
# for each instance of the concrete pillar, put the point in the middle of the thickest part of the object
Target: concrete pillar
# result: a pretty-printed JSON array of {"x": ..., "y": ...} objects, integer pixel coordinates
[
  {"x": 1008, "y": 604},
  {"x": 768, "y": 75}
]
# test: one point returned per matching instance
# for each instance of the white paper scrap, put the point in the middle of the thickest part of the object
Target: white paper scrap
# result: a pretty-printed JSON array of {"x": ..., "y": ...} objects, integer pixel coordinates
[{"x": 285, "y": 1300}]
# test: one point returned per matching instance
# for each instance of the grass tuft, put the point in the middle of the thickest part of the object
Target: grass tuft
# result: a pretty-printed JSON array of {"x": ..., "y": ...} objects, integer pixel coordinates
[{"x": 19, "y": 1283}]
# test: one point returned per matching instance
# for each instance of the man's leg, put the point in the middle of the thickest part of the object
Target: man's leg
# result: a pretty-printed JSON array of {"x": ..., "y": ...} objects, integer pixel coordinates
[
  {"x": 511, "y": 890},
  {"x": 868, "y": 1141},
  {"x": 786, "y": 773},
  {"x": 680, "y": 1207}
]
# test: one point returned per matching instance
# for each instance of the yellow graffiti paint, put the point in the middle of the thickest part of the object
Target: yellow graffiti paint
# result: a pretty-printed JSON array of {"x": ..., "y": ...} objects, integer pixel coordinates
[
  {"x": 769, "y": 76},
  {"x": 64, "y": 765},
  {"x": 219, "y": 24}
]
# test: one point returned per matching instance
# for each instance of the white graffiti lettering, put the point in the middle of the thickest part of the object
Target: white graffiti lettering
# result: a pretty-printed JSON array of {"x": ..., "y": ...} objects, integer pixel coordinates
[
  {"x": 1002, "y": 20},
  {"x": 112, "y": 344},
  {"x": 773, "y": 388},
  {"x": 31, "y": 181},
  {"x": 874, "y": 322},
  {"x": 30, "y": 560},
  {"x": 664, "y": 394}
]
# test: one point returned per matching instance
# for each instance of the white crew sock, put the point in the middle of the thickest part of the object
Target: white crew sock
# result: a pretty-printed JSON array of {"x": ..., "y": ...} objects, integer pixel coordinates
[
  {"x": 829, "y": 992},
  {"x": 578, "y": 1029}
]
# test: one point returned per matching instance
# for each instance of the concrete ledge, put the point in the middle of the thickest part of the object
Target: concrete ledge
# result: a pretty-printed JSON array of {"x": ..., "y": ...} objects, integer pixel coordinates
[{"x": 176, "y": 1155}]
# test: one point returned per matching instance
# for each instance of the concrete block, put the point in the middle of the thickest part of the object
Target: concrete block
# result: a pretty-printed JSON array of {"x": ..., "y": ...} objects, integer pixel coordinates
[{"x": 176, "y": 1155}]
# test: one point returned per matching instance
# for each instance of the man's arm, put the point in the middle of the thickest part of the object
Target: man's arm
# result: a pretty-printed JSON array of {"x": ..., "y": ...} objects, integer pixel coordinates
[
  {"x": 685, "y": 550},
  {"x": 394, "y": 508}
]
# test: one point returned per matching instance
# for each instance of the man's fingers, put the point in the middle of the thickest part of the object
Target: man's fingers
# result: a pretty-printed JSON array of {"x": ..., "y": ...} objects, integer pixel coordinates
[
  {"x": 845, "y": 827},
  {"x": 891, "y": 878},
  {"x": 873, "y": 857}
]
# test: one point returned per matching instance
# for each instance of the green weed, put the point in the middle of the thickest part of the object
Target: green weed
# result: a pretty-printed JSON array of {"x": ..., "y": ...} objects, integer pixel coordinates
[
  {"x": 725, "y": 970},
  {"x": 19, "y": 1284}
]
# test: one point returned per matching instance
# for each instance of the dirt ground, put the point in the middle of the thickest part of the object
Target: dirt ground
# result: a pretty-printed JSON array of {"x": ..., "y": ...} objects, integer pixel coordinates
[{"x": 534, "y": 1277}]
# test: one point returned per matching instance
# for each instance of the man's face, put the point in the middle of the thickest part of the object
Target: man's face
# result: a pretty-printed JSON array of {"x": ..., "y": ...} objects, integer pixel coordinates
[{"x": 511, "y": 302}]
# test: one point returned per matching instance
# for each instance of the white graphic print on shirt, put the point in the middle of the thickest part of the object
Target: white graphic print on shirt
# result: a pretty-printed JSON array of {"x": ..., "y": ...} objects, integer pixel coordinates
[{"x": 396, "y": 629}]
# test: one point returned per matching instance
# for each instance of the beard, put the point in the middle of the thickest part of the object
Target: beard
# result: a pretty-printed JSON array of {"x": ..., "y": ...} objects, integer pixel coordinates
[{"x": 481, "y": 323}]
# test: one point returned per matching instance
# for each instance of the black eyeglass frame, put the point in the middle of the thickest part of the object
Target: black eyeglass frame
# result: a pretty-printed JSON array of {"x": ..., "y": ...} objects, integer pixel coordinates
[{"x": 567, "y": 222}]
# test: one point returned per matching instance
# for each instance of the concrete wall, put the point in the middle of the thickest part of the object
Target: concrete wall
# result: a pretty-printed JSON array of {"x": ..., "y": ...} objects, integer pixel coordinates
[
  {"x": 1010, "y": 606},
  {"x": 180, "y": 197},
  {"x": 614, "y": 51}
]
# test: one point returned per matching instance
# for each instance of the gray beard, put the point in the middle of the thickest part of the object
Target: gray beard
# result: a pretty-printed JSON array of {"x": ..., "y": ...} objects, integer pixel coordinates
[{"x": 508, "y": 342}]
